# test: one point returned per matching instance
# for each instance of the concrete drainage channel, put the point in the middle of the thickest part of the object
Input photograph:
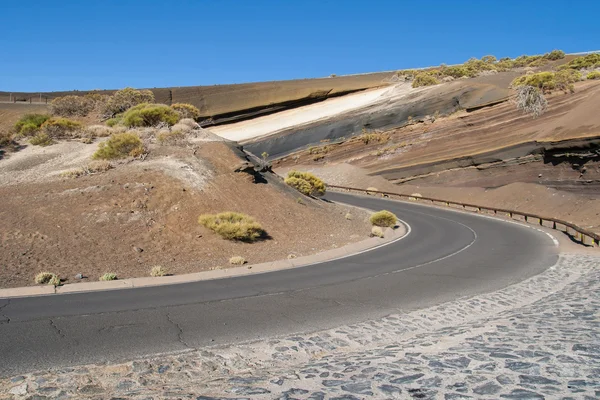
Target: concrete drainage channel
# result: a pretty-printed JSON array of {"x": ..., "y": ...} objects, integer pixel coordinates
[{"x": 372, "y": 243}]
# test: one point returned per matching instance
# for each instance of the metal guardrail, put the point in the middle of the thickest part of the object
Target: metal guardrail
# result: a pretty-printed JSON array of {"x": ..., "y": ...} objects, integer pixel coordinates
[{"x": 584, "y": 236}]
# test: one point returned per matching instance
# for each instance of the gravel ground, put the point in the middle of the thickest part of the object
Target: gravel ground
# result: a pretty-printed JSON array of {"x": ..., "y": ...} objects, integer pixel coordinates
[{"x": 534, "y": 340}]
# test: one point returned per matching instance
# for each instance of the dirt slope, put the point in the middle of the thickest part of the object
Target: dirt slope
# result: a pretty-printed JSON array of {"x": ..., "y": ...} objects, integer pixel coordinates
[{"x": 144, "y": 213}]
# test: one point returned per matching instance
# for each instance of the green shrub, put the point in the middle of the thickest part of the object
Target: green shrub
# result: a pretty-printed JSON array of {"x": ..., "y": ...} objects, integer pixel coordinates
[
  {"x": 186, "y": 110},
  {"x": 150, "y": 115},
  {"x": 548, "y": 81},
  {"x": 233, "y": 226},
  {"x": 554, "y": 55},
  {"x": 29, "y": 129},
  {"x": 424, "y": 79},
  {"x": 120, "y": 145},
  {"x": 593, "y": 75},
  {"x": 588, "y": 61},
  {"x": 41, "y": 139},
  {"x": 316, "y": 185},
  {"x": 57, "y": 127},
  {"x": 109, "y": 276},
  {"x": 383, "y": 218},
  {"x": 111, "y": 122},
  {"x": 6, "y": 139},
  {"x": 68, "y": 106},
  {"x": 158, "y": 271},
  {"x": 566, "y": 78},
  {"x": 124, "y": 99},
  {"x": 32, "y": 120}
]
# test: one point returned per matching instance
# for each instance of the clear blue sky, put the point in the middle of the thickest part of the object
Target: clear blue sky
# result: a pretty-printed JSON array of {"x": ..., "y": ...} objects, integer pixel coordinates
[{"x": 92, "y": 44}]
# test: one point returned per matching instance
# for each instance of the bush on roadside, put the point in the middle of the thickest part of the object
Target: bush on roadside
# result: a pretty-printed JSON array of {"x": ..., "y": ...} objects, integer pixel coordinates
[
  {"x": 120, "y": 145},
  {"x": 109, "y": 276},
  {"x": 31, "y": 123},
  {"x": 186, "y": 110},
  {"x": 306, "y": 183},
  {"x": 68, "y": 106},
  {"x": 157, "y": 270},
  {"x": 124, "y": 99},
  {"x": 593, "y": 75},
  {"x": 377, "y": 231},
  {"x": 424, "y": 79},
  {"x": 232, "y": 226},
  {"x": 47, "y": 278},
  {"x": 149, "y": 115},
  {"x": 383, "y": 218},
  {"x": 41, "y": 139},
  {"x": 237, "y": 260},
  {"x": 57, "y": 128}
]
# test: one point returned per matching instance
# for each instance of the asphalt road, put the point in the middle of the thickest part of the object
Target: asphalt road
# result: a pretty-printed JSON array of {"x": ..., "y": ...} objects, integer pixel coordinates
[{"x": 447, "y": 255}]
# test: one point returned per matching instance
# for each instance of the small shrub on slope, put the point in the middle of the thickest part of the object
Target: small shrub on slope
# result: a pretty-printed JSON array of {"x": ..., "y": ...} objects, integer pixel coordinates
[
  {"x": 237, "y": 260},
  {"x": 593, "y": 75},
  {"x": 232, "y": 226},
  {"x": 124, "y": 99},
  {"x": 120, "y": 145},
  {"x": 377, "y": 231},
  {"x": 186, "y": 110},
  {"x": 68, "y": 106},
  {"x": 41, "y": 139},
  {"x": 109, "y": 276},
  {"x": 57, "y": 128},
  {"x": 306, "y": 183},
  {"x": 33, "y": 122},
  {"x": 145, "y": 115},
  {"x": 158, "y": 271},
  {"x": 424, "y": 79},
  {"x": 383, "y": 218}
]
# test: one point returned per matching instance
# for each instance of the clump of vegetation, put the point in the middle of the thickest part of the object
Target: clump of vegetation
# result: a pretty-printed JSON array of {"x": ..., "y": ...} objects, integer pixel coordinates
[
  {"x": 145, "y": 115},
  {"x": 233, "y": 226},
  {"x": 93, "y": 167},
  {"x": 124, "y": 99},
  {"x": 29, "y": 124},
  {"x": 170, "y": 137},
  {"x": 158, "y": 270},
  {"x": 186, "y": 110},
  {"x": 306, "y": 183},
  {"x": 548, "y": 81},
  {"x": 374, "y": 137},
  {"x": 377, "y": 231},
  {"x": 349, "y": 217},
  {"x": 424, "y": 79},
  {"x": 585, "y": 62},
  {"x": 6, "y": 139},
  {"x": 120, "y": 145},
  {"x": 109, "y": 276},
  {"x": 384, "y": 218},
  {"x": 114, "y": 121},
  {"x": 531, "y": 100},
  {"x": 57, "y": 128},
  {"x": 47, "y": 278},
  {"x": 68, "y": 106},
  {"x": 237, "y": 260},
  {"x": 41, "y": 139},
  {"x": 98, "y": 131},
  {"x": 593, "y": 75}
]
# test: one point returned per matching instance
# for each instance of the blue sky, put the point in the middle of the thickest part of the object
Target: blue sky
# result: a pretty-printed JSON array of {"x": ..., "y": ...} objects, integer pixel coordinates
[{"x": 93, "y": 44}]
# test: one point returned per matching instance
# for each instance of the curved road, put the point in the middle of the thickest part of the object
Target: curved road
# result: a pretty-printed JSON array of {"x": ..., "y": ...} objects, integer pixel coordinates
[{"x": 447, "y": 255}]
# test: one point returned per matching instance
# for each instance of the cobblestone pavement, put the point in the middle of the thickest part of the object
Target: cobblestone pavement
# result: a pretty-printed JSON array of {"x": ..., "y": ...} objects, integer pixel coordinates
[{"x": 534, "y": 340}]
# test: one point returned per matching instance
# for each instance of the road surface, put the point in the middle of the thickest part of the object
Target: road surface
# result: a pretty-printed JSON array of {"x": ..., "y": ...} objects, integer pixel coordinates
[{"x": 446, "y": 256}]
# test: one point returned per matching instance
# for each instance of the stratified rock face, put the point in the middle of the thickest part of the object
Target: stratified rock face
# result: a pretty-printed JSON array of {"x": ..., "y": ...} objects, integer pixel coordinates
[{"x": 533, "y": 340}]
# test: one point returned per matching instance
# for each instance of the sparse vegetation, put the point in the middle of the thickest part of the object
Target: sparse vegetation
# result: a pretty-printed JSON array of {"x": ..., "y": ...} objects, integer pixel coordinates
[
  {"x": 144, "y": 115},
  {"x": 424, "y": 79},
  {"x": 585, "y": 62},
  {"x": 593, "y": 75},
  {"x": 57, "y": 128},
  {"x": 124, "y": 99},
  {"x": 6, "y": 139},
  {"x": 306, "y": 183},
  {"x": 349, "y": 217},
  {"x": 46, "y": 278},
  {"x": 186, "y": 110},
  {"x": 68, "y": 106},
  {"x": 548, "y": 81},
  {"x": 383, "y": 218},
  {"x": 29, "y": 124},
  {"x": 41, "y": 139},
  {"x": 93, "y": 167},
  {"x": 98, "y": 131},
  {"x": 170, "y": 137},
  {"x": 233, "y": 226},
  {"x": 264, "y": 155},
  {"x": 377, "y": 231},
  {"x": 531, "y": 100},
  {"x": 109, "y": 276},
  {"x": 237, "y": 260},
  {"x": 120, "y": 145},
  {"x": 158, "y": 270},
  {"x": 374, "y": 137}
]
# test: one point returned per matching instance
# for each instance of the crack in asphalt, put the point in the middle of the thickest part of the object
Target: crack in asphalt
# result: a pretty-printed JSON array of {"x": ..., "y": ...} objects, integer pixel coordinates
[
  {"x": 57, "y": 329},
  {"x": 179, "y": 333}
]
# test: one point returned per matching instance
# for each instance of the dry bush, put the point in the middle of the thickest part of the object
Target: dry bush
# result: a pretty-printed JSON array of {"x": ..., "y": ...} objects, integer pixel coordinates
[
  {"x": 108, "y": 276},
  {"x": 172, "y": 137},
  {"x": 93, "y": 167},
  {"x": 44, "y": 278},
  {"x": 233, "y": 226},
  {"x": 6, "y": 139},
  {"x": 384, "y": 218},
  {"x": 424, "y": 79},
  {"x": 149, "y": 115},
  {"x": 237, "y": 260},
  {"x": 377, "y": 231},
  {"x": 41, "y": 139},
  {"x": 190, "y": 123},
  {"x": 374, "y": 137},
  {"x": 157, "y": 270},
  {"x": 186, "y": 110},
  {"x": 349, "y": 217},
  {"x": 95, "y": 131},
  {"x": 306, "y": 183},
  {"x": 68, "y": 106},
  {"x": 120, "y": 145},
  {"x": 531, "y": 100},
  {"x": 124, "y": 99},
  {"x": 58, "y": 128}
]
